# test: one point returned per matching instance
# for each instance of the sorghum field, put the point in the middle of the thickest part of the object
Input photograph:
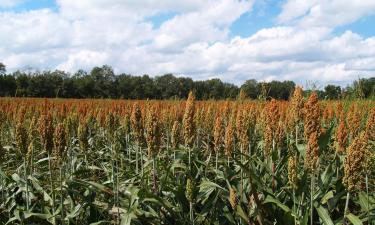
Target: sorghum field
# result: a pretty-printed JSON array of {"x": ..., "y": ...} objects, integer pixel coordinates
[{"x": 301, "y": 161}]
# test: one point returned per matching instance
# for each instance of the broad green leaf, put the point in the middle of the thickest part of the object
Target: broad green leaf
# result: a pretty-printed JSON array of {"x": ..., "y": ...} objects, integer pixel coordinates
[
  {"x": 327, "y": 197},
  {"x": 241, "y": 213},
  {"x": 126, "y": 218},
  {"x": 270, "y": 199},
  {"x": 38, "y": 215},
  {"x": 101, "y": 222},
  {"x": 324, "y": 215},
  {"x": 206, "y": 188},
  {"x": 354, "y": 219}
]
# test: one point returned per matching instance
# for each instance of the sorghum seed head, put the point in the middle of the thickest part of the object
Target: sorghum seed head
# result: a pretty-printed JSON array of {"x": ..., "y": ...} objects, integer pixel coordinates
[
  {"x": 228, "y": 139},
  {"x": 370, "y": 125},
  {"x": 83, "y": 135},
  {"x": 46, "y": 131},
  {"x": 188, "y": 121},
  {"x": 21, "y": 139},
  {"x": 189, "y": 190},
  {"x": 355, "y": 162},
  {"x": 218, "y": 134},
  {"x": 60, "y": 141},
  {"x": 341, "y": 137},
  {"x": 312, "y": 153},
  {"x": 137, "y": 124},
  {"x": 354, "y": 119},
  {"x": 153, "y": 133},
  {"x": 175, "y": 134},
  {"x": 297, "y": 105},
  {"x": 312, "y": 116},
  {"x": 292, "y": 171},
  {"x": 232, "y": 198}
]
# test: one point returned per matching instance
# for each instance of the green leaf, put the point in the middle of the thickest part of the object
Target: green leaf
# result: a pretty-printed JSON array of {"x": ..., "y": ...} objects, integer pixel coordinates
[
  {"x": 101, "y": 222},
  {"x": 302, "y": 149},
  {"x": 327, "y": 197},
  {"x": 38, "y": 215},
  {"x": 206, "y": 188},
  {"x": 126, "y": 218},
  {"x": 324, "y": 215},
  {"x": 354, "y": 219},
  {"x": 241, "y": 213},
  {"x": 270, "y": 199}
]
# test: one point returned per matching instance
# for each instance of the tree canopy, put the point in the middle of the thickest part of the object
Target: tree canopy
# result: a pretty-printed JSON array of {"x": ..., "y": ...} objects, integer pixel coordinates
[{"x": 102, "y": 82}]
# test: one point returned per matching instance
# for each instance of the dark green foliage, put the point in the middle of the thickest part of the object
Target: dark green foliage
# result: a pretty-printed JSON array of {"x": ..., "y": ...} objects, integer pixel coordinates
[{"x": 102, "y": 82}]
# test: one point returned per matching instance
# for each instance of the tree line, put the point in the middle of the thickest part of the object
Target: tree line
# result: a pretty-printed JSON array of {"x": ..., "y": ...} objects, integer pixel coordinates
[{"x": 102, "y": 82}]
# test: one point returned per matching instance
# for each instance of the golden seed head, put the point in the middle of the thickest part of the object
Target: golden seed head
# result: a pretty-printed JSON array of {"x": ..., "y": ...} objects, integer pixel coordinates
[
  {"x": 2, "y": 152},
  {"x": 312, "y": 116},
  {"x": 354, "y": 119},
  {"x": 339, "y": 109},
  {"x": 30, "y": 149},
  {"x": 312, "y": 153},
  {"x": 153, "y": 133},
  {"x": 328, "y": 114},
  {"x": 188, "y": 121},
  {"x": 21, "y": 139},
  {"x": 242, "y": 95},
  {"x": 370, "y": 125},
  {"x": 137, "y": 124},
  {"x": 110, "y": 123},
  {"x": 46, "y": 131},
  {"x": 292, "y": 171},
  {"x": 341, "y": 137},
  {"x": 355, "y": 162},
  {"x": 83, "y": 135},
  {"x": 189, "y": 190},
  {"x": 242, "y": 129},
  {"x": 126, "y": 124},
  {"x": 218, "y": 134},
  {"x": 272, "y": 113},
  {"x": 268, "y": 140},
  {"x": 297, "y": 105},
  {"x": 232, "y": 198},
  {"x": 60, "y": 140},
  {"x": 175, "y": 134},
  {"x": 229, "y": 139},
  {"x": 279, "y": 135}
]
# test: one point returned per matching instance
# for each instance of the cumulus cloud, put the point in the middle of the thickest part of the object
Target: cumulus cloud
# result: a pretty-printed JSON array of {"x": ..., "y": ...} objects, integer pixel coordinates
[
  {"x": 9, "y": 3},
  {"x": 325, "y": 13},
  {"x": 194, "y": 42}
]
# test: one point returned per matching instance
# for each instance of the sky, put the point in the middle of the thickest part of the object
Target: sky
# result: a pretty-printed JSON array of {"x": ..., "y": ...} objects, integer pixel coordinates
[{"x": 314, "y": 41}]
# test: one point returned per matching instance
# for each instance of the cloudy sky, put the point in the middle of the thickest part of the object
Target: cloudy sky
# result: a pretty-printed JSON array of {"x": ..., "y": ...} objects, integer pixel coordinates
[{"x": 325, "y": 41}]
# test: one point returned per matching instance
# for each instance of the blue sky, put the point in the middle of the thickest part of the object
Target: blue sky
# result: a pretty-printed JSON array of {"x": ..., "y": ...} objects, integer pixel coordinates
[{"x": 319, "y": 40}]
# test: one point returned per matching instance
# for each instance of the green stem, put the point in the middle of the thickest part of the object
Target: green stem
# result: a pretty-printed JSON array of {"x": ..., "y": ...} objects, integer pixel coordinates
[
  {"x": 217, "y": 156},
  {"x": 346, "y": 205},
  {"x": 154, "y": 174},
  {"x": 191, "y": 213},
  {"x": 52, "y": 188},
  {"x": 61, "y": 194},
  {"x": 312, "y": 199},
  {"x": 189, "y": 158},
  {"x": 294, "y": 207},
  {"x": 27, "y": 184},
  {"x": 141, "y": 158},
  {"x": 136, "y": 160},
  {"x": 368, "y": 200}
]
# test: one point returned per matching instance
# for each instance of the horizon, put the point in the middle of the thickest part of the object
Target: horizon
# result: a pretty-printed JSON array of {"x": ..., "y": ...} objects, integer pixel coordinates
[{"x": 328, "y": 42}]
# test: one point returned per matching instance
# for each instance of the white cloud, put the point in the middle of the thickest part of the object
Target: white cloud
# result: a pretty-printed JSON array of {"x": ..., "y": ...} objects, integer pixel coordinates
[
  {"x": 9, "y": 3},
  {"x": 325, "y": 13},
  {"x": 195, "y": 42}
]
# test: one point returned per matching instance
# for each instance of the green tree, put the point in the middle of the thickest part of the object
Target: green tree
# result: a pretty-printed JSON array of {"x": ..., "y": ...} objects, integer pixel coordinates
[{"x": 332, "y": 92}]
